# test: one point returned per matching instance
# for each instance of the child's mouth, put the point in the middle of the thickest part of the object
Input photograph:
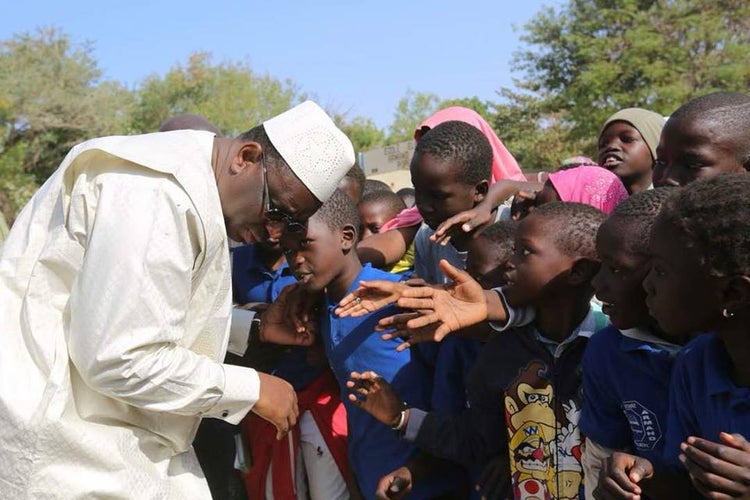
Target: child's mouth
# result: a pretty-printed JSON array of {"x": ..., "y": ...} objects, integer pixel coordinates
[{"x": 611, "y": 161}]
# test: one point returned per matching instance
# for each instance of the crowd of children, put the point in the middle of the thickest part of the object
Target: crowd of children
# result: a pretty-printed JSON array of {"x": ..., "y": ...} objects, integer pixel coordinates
[{"x": 592, "y": 328}]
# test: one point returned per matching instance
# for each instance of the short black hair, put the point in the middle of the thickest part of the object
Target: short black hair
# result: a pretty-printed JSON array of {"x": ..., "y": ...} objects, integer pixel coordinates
[
  {"x": 271, "y": 155},
  {"x": 339, "y": 211},
  {"x": 638, "y": 212},
  {"x": 500, "y": 236},
  {"x": 372, "y": 185},
  {"x": 730, "y": 111},
  {"x": 575, "y": 229},
  {"x": 358, "y": 176},
  {"x": 462, "y": 144},
  {"x": 390, "y": 200},
  {"x": 714, "y": 215}
]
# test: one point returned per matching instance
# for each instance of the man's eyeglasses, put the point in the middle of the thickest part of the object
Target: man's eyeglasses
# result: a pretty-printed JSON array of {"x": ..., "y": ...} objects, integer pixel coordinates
[{"x": 275, "y": 215}]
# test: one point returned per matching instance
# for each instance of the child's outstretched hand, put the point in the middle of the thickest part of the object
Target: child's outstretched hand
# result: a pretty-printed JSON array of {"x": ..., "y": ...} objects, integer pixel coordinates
[
  {"x": 373, "y": 394},
  {"x": 442, "y": 310},
  {"x": 374, "y": 295},
  {"x": 397, "y": 484},
  {"x": 718, "y": 470},
  {"x": 620, "y": 476}
]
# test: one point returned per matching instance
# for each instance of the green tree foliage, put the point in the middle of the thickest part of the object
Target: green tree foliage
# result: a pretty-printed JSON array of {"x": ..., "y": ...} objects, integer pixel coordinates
[
  {"x": 363, "y": 132},
  {"x": 589, "y": 58},
  {"x": 410, "y": 111},
  {"x": 229, "y": 94},
  {"x": 51, "y": 97}
]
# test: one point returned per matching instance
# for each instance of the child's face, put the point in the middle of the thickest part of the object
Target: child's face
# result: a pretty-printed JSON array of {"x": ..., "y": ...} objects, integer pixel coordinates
[
  {"x": 485, "y": 264},
  {"x": 536, "y": 264},
  {"x": 623, "y": 151},
  {"x": 680, "y": 293},
  {"x": 315, "y": 257},
  {"x": 439, "y": 192},
  {"x": 690, "y": 150},
  {"x": 619, "y": 282},
  {"x": 372, "y": 216}
]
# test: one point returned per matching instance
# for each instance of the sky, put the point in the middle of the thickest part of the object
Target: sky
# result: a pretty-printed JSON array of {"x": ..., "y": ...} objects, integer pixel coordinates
[{"x": 355, "y": 56}]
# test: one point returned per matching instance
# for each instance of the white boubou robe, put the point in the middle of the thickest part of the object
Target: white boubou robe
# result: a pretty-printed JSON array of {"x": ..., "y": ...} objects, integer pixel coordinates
[{"x": 115, "y": 304}]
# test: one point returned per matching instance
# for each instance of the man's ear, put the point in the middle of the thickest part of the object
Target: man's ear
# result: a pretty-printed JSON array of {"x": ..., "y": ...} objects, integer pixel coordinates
[
  {"x": 736, "y": 294},
  {"x": 583, "y": 271},
  {"x": 250, "y": 153},
  {"x": 480, "y": 191},
  {"x": 349, "y": 236}
]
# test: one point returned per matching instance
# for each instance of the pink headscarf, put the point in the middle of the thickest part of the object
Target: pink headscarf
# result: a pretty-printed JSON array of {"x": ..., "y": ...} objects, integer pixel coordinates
[
  {"x": 504, "y": 166},
  {"x": 595, "y": 186}
]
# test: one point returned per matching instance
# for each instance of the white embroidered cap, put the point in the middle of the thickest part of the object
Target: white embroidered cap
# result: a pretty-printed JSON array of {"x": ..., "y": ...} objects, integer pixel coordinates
[{"x": 318, "y": 152}]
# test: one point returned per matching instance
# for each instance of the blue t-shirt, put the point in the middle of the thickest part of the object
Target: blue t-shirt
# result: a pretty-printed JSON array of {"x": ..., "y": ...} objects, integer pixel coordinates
[
  {"x": 703, "y": 399},
  {"x": 253, "y": 281},
  {"x": 352, "y": 344},
  {"x": 626, "y": 393}
]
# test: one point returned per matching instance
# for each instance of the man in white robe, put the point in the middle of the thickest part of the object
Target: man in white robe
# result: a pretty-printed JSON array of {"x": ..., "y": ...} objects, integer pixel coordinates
[{"x": 115, "y": 304}]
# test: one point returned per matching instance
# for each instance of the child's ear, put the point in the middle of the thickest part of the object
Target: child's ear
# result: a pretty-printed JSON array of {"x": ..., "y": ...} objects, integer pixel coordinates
[
  {"x": 480, "y": 190},
  {"x": 583, "y": 271},
  {"x": 348, "y": 237},
  {"x": 736, "y": 294}
]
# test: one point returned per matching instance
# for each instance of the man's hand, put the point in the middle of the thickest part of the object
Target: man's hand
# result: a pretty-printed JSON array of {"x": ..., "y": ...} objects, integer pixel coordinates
[
  {"x": 718, "y": 470},
  {"x": 277, "y": 324},
  {"x": 620, "y": 476},
  {"x": 277, "y": 403},
  {"x": 302, "y": 307},
  {"x": 374, "y": 295},
  {"x": 373, "y": 394},
  {"x": 397, "y": 484},
  {"x": 442, "y": 310}
]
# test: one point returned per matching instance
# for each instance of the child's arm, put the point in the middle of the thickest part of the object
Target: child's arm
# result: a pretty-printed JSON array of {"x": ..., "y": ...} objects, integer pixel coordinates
[
  {"x": 625, "y": 476},
  {"x": 385, "y": 249},
  {"x": 472, "y": 437},
  {"x": 481, "y": 215},
  {"x": 620, "y": 476},
  {"x": 718, "y": 470}
]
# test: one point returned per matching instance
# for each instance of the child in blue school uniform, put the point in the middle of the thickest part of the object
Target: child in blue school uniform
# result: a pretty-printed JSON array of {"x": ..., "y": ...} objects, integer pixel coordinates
[
  {"x": 700, "y": 281},
  {"x": 325, "y": 259},
  {"x": 525, "y": 389},
  {"x": 626, "y": 413}
]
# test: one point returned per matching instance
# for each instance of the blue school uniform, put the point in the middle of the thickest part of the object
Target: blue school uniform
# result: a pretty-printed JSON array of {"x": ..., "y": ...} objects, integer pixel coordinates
[
  {"x": 352, "y": 344},
  {"x": 704, "y": 400},
  {"x": 253, "y": 281},
  {"x": 626, "y": 392}
]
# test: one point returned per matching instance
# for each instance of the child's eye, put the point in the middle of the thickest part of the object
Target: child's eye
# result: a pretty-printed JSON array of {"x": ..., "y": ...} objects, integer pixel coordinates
[{"x": 525, "y": 252}]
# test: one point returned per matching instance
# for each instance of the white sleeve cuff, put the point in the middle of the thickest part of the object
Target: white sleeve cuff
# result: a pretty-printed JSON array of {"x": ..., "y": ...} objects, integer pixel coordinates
[
  {"x": 516, "y": 316},
  {"x": 239, "y": 331},
  {"x": 241, "y": 392}
]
